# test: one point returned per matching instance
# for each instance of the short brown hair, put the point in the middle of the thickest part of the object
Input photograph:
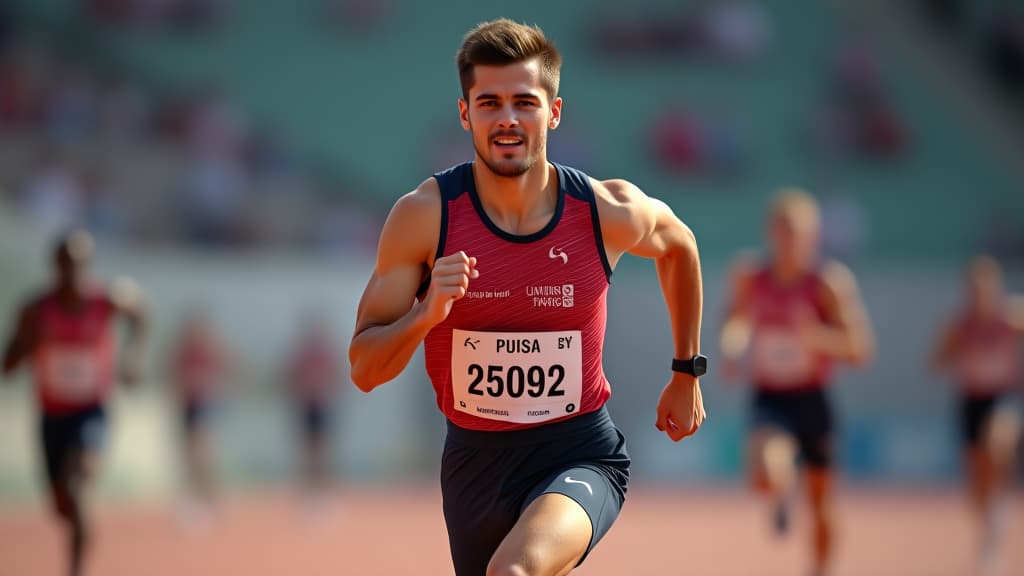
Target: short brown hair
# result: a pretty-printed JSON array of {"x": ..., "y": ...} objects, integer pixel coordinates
[{"x": 500, "y": 42}]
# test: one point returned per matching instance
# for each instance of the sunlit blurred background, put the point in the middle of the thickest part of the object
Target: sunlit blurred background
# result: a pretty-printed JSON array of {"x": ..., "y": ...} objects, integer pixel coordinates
[{"x": 240, "y": 156}]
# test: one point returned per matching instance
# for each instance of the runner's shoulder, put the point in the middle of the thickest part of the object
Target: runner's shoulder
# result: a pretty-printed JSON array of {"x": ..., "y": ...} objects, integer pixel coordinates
[
  {"x": 837, "y": 277},
  {"x": 420, "y": 206},
  {"x": 33, "y": 303},
  {"x": 413, "y": 225},
  {"x": 616, "y": 192},
  {"x": 744, "y": 269}
]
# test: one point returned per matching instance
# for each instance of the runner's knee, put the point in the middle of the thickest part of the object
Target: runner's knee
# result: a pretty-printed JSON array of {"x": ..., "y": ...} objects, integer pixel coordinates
[
  {"x": 507, "y": 569},
  {"x": 528, "y": 563}
]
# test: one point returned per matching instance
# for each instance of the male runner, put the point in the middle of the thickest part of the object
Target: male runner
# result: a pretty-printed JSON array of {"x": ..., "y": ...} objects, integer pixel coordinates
[
  {"x": 67, "y": 335},
  {"x": 797, "y": 316},
  {"x": 501, "y": 267},
  {"x": 198, "y": 368},
  {"x": 314, "y": 370},
  {"x": 981, "y": 347}
]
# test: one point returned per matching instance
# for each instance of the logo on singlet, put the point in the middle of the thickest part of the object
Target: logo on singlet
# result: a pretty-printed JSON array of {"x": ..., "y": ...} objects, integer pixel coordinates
[
  {"x": 556, "y": 253},
  {"x": 562, "y": 296}
]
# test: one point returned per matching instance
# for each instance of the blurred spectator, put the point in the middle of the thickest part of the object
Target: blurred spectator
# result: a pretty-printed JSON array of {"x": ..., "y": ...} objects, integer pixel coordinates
[
  {"x": 272, "y": 157},
  {"x": 214, "y": 129},
  {"x": 124, "y": 112},
  {"x": 732, "y": 30},
  {"x": 15, "y": 95},
  {"x": 676, "y": 139},
  {"x": 215, "y": 178},
  {"x": 725, "y": 142},
  {"x": 844, "y": 226},
  {"x": 858, "y": 117},
  {"x": 1006, "y": 45},
  {"x": 358, "y": 16},
  {"x": 347, "y": 226},
  {"x": 53, "y": 193},
  {"x": 710, "y": 144},
  {"x": 71, "y": 105},
  {"x": 104, "y": 215},
  {"x": 169, "y": 14},
  {"x": 736, "y": 29},
  {"x": 214, "y": 194}
]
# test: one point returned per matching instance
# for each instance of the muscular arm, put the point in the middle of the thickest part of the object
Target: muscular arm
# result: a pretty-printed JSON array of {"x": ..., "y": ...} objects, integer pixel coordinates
[
  {"x": 22, "y": 340},
  {"x": 736, "y": 330},
  {"x": 848, "y": 335},
  {"x": 1016, "y": 312},
  {"x": 390, "y": 324},
  {"x": 634, "y": 223},
  {"x": 945, "y": 349},
  {"x": 127, "y": 298}
]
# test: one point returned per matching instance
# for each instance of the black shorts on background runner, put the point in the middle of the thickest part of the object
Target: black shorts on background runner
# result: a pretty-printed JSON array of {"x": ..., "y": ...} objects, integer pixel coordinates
[
  {"x": 314, "y": 418},
  {"x": 65, "y": 435},
  {"x": 975, "y": 411},
  {"x": 489, "y": 478},
  {"x": 195, "y": 413},
  {"x": 806, "y": 414}
]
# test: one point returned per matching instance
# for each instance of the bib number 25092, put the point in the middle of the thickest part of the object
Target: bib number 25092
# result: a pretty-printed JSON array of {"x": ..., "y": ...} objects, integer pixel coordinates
[
  {"x": 522, "y": 377},
  {"x": 534, "y": 381}
]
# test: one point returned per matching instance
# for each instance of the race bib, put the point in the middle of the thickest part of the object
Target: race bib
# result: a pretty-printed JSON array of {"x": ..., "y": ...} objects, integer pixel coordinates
[
  {"x": 990, "y": 368},
  {"x": 71, "y": 373},
  {"x": 521, "y": 377},
  {"x": 781, "y": 358}
]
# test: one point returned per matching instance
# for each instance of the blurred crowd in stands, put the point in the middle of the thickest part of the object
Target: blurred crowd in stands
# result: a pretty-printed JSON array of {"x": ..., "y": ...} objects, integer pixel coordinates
[
  {"x": 85, "y": 146},
  {"x": 158, "y": 14}
]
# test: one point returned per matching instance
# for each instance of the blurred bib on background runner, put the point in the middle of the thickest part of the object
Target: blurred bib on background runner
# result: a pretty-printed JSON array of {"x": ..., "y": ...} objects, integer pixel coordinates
[
  {"x": 779, "y": 355},
  {"x": 522, "y": 377},
  {"x": 72, "y": 373},
  {"x": 989, "y": 369}
]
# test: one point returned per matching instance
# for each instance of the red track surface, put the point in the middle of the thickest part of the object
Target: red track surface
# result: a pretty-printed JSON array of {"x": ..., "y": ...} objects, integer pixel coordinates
[{"x": 398, "y": 532}]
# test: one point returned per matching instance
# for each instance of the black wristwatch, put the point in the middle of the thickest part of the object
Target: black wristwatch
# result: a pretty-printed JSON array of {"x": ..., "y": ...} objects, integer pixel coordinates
[{"x": 696, "y": 366}]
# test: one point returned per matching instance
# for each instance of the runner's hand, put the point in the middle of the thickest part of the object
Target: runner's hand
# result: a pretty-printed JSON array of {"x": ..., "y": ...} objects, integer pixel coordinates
[
  {"x": 732, "y": 370},
  {"x": 681, "y": 407},
  {"x": 131, "y": 370},
  {"x": 449, "y": 281}
]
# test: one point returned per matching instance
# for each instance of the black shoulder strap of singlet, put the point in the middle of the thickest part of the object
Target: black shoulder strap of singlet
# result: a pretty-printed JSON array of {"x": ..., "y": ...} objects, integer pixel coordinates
[{"x": 577, "y": 184}]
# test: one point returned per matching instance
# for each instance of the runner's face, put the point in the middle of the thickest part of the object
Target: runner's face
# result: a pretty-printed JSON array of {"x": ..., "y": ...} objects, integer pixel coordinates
[
  {"x": 794, "y": 238},
  {"x": 985, "y": 289},
  {"x": 72, "y": 263},
  {"x": 509, "y": 115}
]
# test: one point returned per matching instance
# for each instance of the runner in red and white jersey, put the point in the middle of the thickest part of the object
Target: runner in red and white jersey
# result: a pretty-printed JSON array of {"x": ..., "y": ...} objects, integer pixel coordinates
[
  {"x": 794, "y": 316},
  {"x": 981, "y": 347},
  {"x": 67, "y": 336}
]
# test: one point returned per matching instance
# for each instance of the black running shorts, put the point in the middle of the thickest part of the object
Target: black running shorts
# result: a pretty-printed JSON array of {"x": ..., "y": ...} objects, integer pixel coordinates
[
  {"x": 806, "y": 414},
  {"x": 489, "y": 478}
]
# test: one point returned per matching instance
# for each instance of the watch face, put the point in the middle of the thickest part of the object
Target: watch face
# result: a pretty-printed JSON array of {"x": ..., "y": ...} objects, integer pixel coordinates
[{"x": 700, "y": 365}]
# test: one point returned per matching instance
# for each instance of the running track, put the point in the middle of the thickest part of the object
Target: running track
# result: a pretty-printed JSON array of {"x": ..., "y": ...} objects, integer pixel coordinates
[{"x": 400, "y": 531}]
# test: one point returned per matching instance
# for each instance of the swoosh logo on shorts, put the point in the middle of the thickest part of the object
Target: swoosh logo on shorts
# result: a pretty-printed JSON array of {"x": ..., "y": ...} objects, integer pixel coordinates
[{"x": 569, "y": 480}]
